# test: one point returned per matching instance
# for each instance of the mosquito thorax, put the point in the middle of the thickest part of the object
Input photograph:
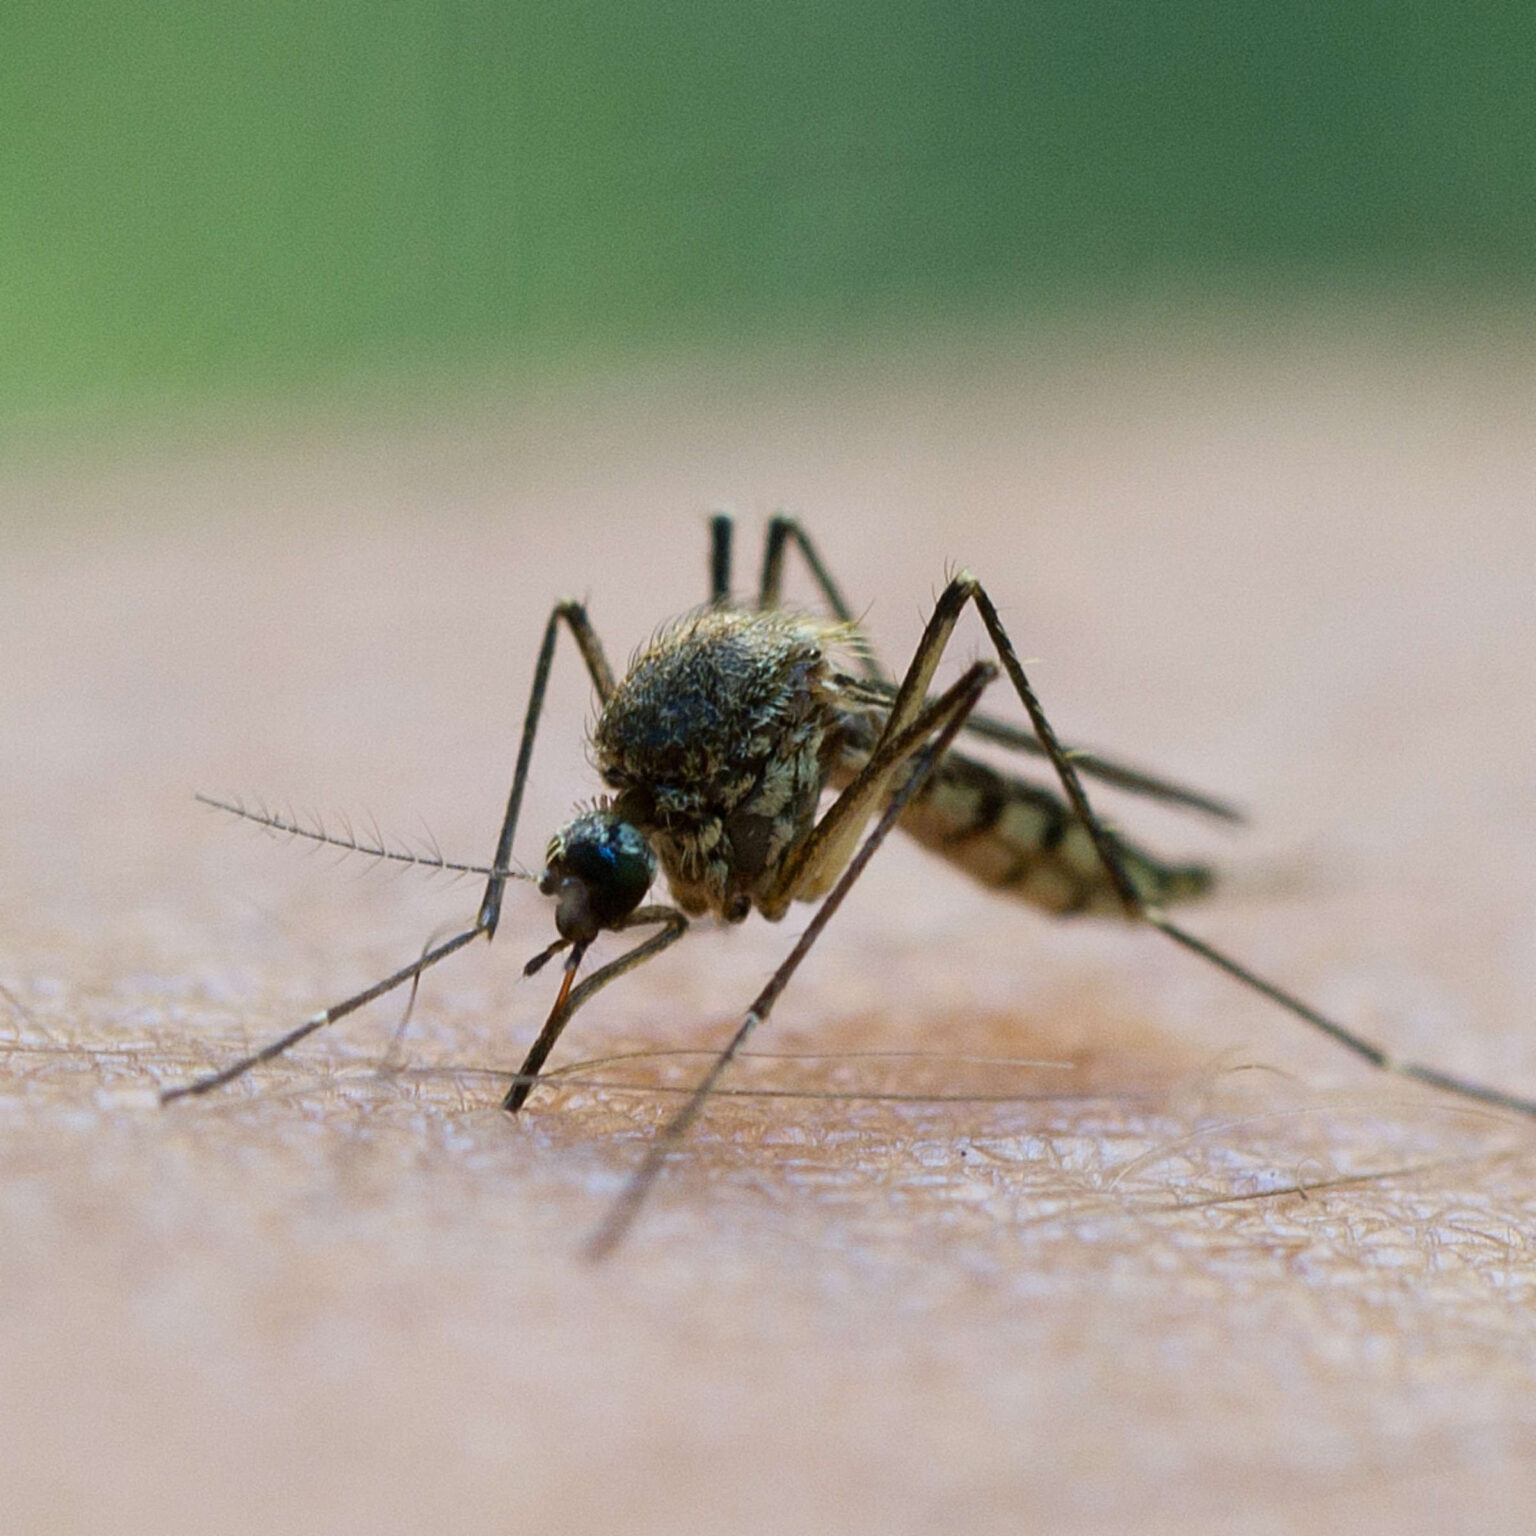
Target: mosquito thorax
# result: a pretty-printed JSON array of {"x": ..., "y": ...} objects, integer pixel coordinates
[{"x": 598, "y": 869}]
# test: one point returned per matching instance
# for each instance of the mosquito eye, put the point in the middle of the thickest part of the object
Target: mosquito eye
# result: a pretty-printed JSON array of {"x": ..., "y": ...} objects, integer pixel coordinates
[
  {"x": 616, "y": 878},
  {"x": 599, "y": 869}
]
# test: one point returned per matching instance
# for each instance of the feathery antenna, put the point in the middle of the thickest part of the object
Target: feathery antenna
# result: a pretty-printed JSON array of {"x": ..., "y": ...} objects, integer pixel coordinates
[{"x": 371, "y": 845}]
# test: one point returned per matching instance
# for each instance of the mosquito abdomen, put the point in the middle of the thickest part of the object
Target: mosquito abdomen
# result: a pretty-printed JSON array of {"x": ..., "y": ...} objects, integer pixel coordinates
[{"x": 1017, "y": 837}]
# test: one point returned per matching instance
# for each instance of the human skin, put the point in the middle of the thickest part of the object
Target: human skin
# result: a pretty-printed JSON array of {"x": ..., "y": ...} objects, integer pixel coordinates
[{"x": 1194, "y": 1270}]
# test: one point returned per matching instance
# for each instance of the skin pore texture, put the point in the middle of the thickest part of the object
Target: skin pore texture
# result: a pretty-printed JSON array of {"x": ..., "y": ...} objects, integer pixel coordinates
[{"x": 1006, "y": 1219}]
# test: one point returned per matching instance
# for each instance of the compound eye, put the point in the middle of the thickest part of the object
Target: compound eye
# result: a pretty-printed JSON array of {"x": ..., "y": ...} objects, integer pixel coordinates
[{"x": 599, "y": 869}]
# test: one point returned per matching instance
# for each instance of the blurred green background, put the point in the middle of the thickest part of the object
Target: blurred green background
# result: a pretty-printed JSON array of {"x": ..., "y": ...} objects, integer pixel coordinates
[{"x": 233, "y": 199}]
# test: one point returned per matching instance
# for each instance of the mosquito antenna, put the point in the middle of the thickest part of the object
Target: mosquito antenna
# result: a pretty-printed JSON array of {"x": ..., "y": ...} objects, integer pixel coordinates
[{"x": 371, "y": 846}]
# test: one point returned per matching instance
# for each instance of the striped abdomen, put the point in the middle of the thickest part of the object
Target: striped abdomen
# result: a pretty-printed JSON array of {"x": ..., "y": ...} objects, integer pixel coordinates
[{"x": 1020, "y": 838}]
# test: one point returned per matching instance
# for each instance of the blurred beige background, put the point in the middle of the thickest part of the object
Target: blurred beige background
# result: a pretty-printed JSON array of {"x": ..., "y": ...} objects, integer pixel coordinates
[{"x": 1210, "y": 1275}]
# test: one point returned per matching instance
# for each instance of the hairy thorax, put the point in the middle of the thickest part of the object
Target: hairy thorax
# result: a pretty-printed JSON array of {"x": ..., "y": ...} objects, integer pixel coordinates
[{"x": 717, "y": 744}]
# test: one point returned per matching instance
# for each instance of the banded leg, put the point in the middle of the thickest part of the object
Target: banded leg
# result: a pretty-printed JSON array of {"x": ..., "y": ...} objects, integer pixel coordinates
[{"x": 920, "y": 746}]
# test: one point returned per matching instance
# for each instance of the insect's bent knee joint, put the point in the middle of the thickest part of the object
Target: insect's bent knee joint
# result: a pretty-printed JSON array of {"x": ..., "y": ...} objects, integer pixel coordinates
[{"x": 961, "y": 589}]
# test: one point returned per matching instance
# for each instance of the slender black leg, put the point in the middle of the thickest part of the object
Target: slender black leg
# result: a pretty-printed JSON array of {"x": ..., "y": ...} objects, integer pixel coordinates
[
  {"x": 784, "y": 531},
  {"x": 720, "y": 529},
  {"x": 967, "y": 588},
  {"x": 771, "y": 587},
  {"x": 1062, "y": 762},
  {"x": 574, "y": 616},
  {"x": 1433, "y": 1076},
  {"x": 1136, "y": 781},
  {"x": 321, "y": 1019}
]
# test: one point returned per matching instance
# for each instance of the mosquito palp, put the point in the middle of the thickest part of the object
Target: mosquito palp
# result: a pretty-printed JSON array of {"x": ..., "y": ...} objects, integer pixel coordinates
[{"x": 753, "y": 767}]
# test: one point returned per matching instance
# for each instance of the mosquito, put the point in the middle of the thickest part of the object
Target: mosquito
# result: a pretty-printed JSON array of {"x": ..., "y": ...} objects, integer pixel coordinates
[{"x": 758, "y": 756}]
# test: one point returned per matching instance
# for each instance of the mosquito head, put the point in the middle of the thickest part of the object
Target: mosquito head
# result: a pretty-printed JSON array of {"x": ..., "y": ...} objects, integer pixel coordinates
[{"x": 598, "y": 869}]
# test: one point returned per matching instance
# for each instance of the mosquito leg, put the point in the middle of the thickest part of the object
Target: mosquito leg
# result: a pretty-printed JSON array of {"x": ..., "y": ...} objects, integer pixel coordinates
[
  {"x": 812, "y": 867},
  {"x": 963, "y": 589},
  {"x": 967, "y": 588},
  {"x": 1137, "y": 781},
  {"x": 1337, "y": 1032},
  {"x": 958, "y": 702},
  {"x": 783, "y": 531},
  {"x": 720, "y": 529},
  {"x": 321, "y": 1019},
  {"x": 570, "y": 999},
  {"x": 1061, "y": 761},
  {"x": 574, "y": 616}
]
